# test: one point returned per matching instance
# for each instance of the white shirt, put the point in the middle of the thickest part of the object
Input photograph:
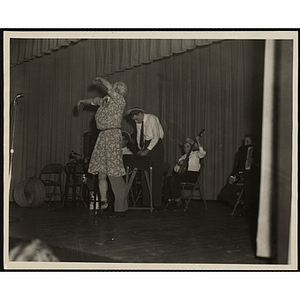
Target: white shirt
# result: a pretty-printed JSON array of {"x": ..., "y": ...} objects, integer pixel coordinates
[
  {"x": 152, "y": 130},
  {"x": 194, "y": 160}
]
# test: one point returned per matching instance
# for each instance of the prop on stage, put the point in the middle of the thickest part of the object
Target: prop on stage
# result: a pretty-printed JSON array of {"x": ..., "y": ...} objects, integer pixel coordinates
[
  {"x": 30, "y": 193},
  {"x": 84, "y": 185},
  {"x": 76, "y": 179},
  {"x": 133, "y": 164}
]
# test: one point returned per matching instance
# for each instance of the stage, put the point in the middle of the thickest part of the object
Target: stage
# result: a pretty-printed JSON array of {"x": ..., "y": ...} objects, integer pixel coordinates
[{"x": 196, "y": 236}]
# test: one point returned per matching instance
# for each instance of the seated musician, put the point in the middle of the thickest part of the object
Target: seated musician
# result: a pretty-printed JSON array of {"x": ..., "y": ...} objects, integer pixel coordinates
[
  {"x": 126, "y": 141},
  {"x": 245, "y": 175},
  {"x": 192, "y": 161}
]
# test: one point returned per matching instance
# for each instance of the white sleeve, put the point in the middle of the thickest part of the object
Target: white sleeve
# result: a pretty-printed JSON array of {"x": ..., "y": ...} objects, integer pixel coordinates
[
  {"x": 201, "y": 152},
  {"x": 155, "y": 134}
]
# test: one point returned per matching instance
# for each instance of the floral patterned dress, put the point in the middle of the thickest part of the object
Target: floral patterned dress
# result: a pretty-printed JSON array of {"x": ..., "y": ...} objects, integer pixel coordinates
[{"x": 107, "y": 154}]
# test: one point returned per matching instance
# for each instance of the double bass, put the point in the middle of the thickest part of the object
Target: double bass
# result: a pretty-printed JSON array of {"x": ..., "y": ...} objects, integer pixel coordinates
[{"x": 185, "y": 163}]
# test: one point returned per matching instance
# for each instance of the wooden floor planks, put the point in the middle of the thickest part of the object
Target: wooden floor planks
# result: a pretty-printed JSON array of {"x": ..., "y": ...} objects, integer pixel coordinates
[{"x": 196, "y": 236}]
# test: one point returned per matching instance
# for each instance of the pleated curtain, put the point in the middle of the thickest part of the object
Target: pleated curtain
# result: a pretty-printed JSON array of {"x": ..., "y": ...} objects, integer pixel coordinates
[
  {"x": 23, "y": 50},
  {"x": 188, "y": 84},
  {"x": 107, "y": 55}
]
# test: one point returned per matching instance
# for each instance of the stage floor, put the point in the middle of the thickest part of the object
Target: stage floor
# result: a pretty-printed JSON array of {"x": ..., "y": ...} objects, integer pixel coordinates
[{"x": 197, "y": 236}]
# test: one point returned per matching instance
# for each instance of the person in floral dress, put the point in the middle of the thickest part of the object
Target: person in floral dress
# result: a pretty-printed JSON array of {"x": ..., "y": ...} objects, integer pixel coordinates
[{"x": 107, "y": 159}]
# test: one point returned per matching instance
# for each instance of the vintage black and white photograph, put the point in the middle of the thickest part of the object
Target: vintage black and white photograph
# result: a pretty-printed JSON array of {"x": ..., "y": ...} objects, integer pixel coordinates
[{"x": 150, "y": 150}]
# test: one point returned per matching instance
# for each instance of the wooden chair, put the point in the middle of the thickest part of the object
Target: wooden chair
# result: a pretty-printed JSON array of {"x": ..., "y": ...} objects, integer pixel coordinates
[
  {"x": 51, "y": 177},
  {"x": 76, "y": 180},
  {"x": 188, "y": 190}
]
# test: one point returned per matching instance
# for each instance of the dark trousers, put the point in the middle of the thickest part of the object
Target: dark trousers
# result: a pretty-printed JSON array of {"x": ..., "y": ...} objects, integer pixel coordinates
[
  {"x": 172, "y": 188},
  {"x": 230, "y": 192},
  {"x": 157, "y": 158}
]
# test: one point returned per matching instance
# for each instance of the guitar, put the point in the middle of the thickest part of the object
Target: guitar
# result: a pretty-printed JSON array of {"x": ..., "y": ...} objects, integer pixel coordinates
[{"x": 185, "y": 163}]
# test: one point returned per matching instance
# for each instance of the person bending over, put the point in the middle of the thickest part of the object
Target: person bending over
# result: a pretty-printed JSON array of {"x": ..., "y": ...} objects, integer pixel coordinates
[
  {"x": 126, "y": 141},
  {"x": 149, "y": 134}
]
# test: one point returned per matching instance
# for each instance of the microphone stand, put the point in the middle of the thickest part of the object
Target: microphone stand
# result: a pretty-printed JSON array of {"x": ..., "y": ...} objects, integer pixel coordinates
[
  {"x": 13, "y": 124},
  {"x": 13, "y": 118}
]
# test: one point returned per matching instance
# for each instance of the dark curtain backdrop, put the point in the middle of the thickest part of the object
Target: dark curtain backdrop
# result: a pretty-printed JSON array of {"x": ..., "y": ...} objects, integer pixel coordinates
[
  {"x": 217, "y": 87},
  {"x": 26, "y": 49},
  {"x": 107, "y": 56}
]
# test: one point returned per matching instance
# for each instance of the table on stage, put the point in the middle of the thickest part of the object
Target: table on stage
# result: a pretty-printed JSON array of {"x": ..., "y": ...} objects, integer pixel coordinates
[
  {"x": 78, "y": 178},
  {"x": 133, "y": 165}
]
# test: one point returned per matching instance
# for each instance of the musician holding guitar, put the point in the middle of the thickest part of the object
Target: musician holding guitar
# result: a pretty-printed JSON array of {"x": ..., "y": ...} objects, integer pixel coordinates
[{"x": 186, "y": 169}]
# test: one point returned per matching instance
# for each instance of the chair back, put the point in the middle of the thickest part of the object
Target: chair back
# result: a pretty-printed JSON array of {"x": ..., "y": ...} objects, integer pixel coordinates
[
  {"x": 53, "y": 168},
  {"x": 50, "y": 176},
  {"x": 193, "y": 190}
]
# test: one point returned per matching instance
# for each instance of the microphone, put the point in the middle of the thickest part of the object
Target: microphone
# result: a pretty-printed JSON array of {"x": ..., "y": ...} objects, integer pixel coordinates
[{"x": 15, "y": 102}]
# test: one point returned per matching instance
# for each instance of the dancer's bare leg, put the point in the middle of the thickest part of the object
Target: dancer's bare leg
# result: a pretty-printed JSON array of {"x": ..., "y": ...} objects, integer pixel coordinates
[{"x": 103, "y": 186}]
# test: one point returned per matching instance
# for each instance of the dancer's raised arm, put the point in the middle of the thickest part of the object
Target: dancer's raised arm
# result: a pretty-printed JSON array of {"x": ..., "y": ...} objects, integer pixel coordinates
[
  {"x": 82, "y": 103},
  {"x": 99, "y": 80},
  {"x": 94, "y": 101}
]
